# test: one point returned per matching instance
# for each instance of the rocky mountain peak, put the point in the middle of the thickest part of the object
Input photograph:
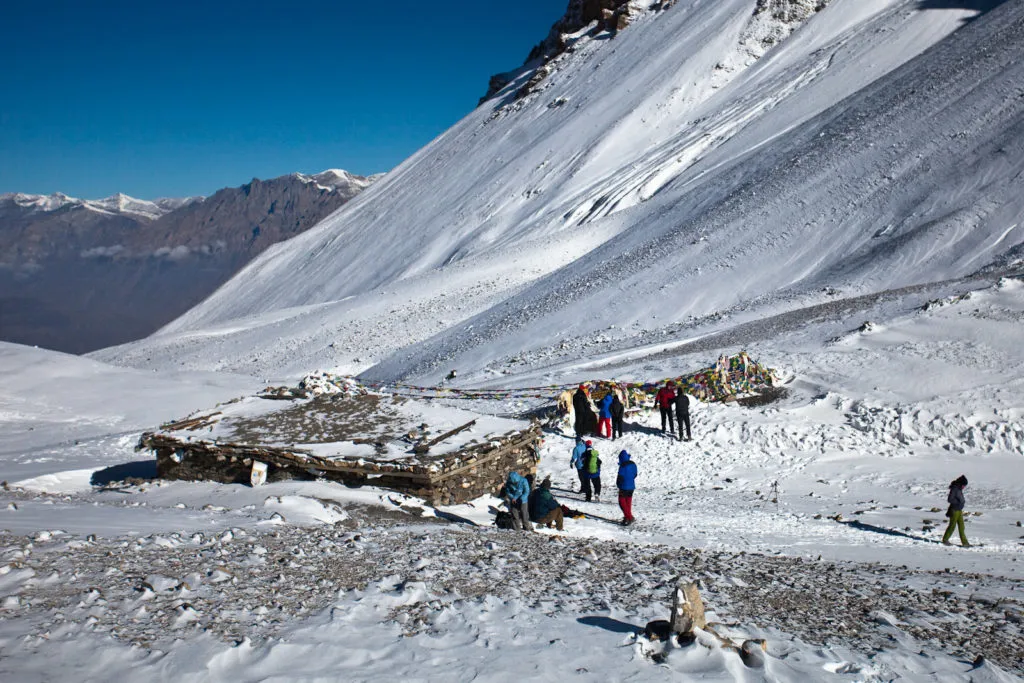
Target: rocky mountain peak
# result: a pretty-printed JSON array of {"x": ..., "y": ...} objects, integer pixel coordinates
[{"x": 599, "y": 15}]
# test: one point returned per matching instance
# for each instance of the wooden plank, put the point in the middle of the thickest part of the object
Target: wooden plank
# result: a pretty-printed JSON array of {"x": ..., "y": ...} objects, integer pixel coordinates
[
  {"x": 420, "y": 449},
  {"x": 485, "y": 459},
  {"x": 191, "y": 423}
]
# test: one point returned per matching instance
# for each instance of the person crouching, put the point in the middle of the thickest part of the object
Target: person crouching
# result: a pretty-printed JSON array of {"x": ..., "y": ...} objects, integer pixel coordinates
[
  {"x": 517, "y": 493},
  {"x": 544, "y": 509}
]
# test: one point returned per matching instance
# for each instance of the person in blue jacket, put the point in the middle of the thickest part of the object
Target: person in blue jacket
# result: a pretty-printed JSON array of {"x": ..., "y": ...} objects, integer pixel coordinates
[
  {"x": 517, "y": 495},
  {"x": 604, "y": 411},
  {"x": 626, "y": 482},
  {"x": 577, "y": 461}
]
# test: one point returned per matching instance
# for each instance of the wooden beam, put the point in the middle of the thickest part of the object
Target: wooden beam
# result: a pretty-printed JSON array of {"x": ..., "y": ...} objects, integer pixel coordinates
[{"x": 420, "y": 449}]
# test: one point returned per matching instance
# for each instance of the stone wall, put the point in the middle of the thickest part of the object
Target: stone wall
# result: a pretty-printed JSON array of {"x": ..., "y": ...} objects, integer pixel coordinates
[{"x": 445, "y": 480}]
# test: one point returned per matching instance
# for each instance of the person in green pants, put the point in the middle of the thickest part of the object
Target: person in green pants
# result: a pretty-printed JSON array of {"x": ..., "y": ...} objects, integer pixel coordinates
[{"x": 956, "y": 511}]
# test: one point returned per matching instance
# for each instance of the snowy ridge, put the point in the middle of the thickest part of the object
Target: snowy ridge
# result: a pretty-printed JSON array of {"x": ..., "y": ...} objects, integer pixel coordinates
[
  {"x": 115, "y": 204},
  {"x": 657, "y": 168},
  {"x": 337, "y": 180}
]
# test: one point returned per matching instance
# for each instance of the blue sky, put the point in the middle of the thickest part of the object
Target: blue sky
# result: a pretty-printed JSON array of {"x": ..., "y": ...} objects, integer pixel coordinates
[{"x": 175, "y": 99}]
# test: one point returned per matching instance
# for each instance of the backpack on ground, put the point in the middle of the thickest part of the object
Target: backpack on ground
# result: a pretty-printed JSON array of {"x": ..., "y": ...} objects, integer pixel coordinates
[{"x": 503, "y": 520}]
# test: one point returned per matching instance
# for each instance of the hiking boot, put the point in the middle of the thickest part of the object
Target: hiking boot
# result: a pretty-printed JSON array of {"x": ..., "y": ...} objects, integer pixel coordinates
[
  {"x": 946, "y": 543},
  {"x": 966, "y": 545}
]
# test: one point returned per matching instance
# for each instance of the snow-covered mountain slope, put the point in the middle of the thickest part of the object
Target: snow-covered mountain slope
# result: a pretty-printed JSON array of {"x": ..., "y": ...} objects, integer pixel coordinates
[{"x": 874, "y": 147}]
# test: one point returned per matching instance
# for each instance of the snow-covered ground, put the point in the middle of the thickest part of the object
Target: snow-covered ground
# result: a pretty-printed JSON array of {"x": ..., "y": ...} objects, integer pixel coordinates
[
  {"x": 845, "y": 206},
  {"x": 839, "y": 567}
]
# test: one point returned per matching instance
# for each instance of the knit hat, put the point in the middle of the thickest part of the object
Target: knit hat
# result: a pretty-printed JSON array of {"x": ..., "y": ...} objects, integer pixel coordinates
[{"x": 588, "y": 442}]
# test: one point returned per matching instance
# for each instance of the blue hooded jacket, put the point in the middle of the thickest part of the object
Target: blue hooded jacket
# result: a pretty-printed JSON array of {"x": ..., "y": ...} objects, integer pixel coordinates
[
  {"x": 577, "y": 454},
  {"x": 517, "y": 488},
  {"x": 605, "y": 406},
  {"x": 627, "y": 473}
]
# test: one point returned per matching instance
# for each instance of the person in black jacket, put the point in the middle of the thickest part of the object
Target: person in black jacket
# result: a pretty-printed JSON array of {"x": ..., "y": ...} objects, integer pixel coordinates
[
  {"x": 618, "y": 413},
  {"x": 956, "y": 511},
  {"x": 683, "y": 413},
  {"x": 585, "y": 422}
]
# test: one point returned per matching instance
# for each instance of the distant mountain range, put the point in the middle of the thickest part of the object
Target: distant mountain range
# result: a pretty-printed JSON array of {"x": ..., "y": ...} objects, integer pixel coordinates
[{"x": 77, "y": 275}]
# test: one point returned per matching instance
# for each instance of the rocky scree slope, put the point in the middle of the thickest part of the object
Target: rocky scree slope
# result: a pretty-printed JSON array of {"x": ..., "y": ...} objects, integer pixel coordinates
[{"x": 237, "y": 584}]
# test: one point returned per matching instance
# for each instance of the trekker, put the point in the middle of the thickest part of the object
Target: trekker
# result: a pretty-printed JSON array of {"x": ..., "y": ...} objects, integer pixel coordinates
[
  {"x": 666, "y": 400},
  {"x": 544, "y": 509},
  {"x": 585, "y": 421},
  {"x": 682, "y": 404},
  {"x": 626, "y": 482},
  {"x": 577, "y": 461},
  {"x": 956, "y": 511},
  {"x": 593, "y": 470},
  {"x": 517, "y": 495},
  {"x": 605, "y": 413},
  {"x": 618, "y": 414}
]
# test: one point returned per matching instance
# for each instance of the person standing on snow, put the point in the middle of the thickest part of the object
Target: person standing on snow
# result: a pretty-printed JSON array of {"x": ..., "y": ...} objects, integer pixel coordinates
[
  {"x": 577, "y": 461},
  {"x": 666, "y": 401},
  {"x": 618, "y": 413},
  {"x": 544, "y": 509},
  {"x": 585, "y": 421},
  {"x": 956, "y": 511},
  {"x": 605, "y": 413},
  {"x": 626, "y": 483},
  {"x": 592, "y": 467},
  {"x": 682, "y": 405},
  {"x": 517, "y": 496}
]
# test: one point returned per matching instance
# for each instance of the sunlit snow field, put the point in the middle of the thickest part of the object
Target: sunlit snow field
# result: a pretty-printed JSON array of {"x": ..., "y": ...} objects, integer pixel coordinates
[{"x": 847, "y": 209}]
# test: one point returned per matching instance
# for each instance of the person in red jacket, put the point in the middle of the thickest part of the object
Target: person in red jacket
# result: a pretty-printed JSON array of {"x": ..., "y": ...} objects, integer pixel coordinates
[{"x": 666, "y": 400}]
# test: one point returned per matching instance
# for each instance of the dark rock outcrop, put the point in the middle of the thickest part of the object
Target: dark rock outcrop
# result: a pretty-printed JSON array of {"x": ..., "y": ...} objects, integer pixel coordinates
[{"x": 605, "y": 15}]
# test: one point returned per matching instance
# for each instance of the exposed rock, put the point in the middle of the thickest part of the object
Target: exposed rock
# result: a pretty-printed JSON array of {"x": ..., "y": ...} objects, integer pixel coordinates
[
  {"x": 752, "y": 653},
  {"x": 687, "y": 609},
  {"x": 602, "y": 15}
]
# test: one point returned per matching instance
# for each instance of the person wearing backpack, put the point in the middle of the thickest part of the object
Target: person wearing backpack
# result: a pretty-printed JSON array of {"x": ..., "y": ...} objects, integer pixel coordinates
[
  {"x": 618, "y": 414},
  {"x": 626, "y": 483},
  {"x": 577, "y": 461},
  {"x": 592, "y": 464},
  {"x": 956, "y": 511}
]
